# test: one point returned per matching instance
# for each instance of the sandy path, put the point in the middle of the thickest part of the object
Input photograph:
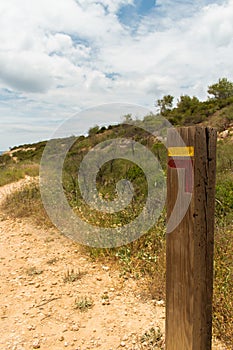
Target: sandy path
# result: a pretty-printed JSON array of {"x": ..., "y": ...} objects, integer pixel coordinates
[{"x": 37, "y": 306}]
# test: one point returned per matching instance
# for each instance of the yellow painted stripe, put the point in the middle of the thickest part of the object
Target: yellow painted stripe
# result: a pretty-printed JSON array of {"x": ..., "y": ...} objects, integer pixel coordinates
[{"x": 181, "y": 151}]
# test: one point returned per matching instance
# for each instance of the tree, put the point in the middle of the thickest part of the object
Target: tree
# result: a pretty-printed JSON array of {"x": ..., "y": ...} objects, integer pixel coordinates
[
  {"x": 165, "y": 104},
  {"x": 187, "y": 104},
  {"x": 222, "y": 89}
]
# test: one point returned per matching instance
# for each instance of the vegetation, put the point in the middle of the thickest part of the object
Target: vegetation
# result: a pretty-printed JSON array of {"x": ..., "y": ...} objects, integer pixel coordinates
[
  {"x": 165, "y": 104},
  {"x": 19, "y": 162},
  {"x": 189, "y": 110},
  {"x": 32, "y": 271},
  {"x": 26, "y": 203},
  {"x": 153, "y": 339},
  {"x": 223, "y": 89},
  {"x": 11, "y": 172},
  {"x": 83, "y": 303},
  {"x": 144, "y": 257},
  {"x": 72, "y": 276}
]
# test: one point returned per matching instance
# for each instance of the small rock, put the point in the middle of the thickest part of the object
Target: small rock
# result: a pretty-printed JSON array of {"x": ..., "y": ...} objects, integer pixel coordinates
[
  {"x": 224, "y": 134},
  {"x": 75, "y": 328},
  {"x": 105, "y": 268},
  {"x": 123, "y": 344},
  {"x": 36, "y": 344}
]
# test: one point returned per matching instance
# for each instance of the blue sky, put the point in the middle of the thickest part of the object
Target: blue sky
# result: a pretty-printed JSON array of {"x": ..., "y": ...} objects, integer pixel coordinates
[
  {"x": 130, "y": 14},
  {"x": 60, "y": 57}
]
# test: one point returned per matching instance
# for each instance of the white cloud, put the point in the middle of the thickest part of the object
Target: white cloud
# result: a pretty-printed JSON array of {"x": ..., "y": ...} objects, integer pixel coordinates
[
  {"x": 216, "y": 25},
  {"x": 64, "y": 55},
  {"x": 28, "y": 72},
  {"x": 111, "y": 5}
]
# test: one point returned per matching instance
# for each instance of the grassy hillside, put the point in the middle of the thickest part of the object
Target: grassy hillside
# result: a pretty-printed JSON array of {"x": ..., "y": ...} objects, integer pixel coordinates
[
  {"x": 143, "y": 259},
  {"x": 19, "y": 162}
]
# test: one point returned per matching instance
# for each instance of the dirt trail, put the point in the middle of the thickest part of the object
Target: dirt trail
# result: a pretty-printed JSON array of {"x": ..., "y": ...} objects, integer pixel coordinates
[{"x": 37, "y": 305}]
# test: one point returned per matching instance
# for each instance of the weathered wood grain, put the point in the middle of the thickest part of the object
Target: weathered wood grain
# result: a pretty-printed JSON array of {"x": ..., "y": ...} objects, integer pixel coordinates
[{"x": 189, "y": 278}]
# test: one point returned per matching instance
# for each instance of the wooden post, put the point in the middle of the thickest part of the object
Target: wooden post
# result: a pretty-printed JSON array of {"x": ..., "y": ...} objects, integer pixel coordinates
[{"x": 190, "y": 237}]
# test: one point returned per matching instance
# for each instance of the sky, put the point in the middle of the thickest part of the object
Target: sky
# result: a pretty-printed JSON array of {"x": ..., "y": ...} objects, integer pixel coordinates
[{"x": 60, "y": 57}]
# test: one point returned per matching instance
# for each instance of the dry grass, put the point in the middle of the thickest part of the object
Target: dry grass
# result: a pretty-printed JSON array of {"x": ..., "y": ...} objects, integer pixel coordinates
[
  {"x": 223, "y": 285},
  {"x": 14, "y": 172},
  {"x": 26, "y": 203},
  {"x": 72, "y": 275}
]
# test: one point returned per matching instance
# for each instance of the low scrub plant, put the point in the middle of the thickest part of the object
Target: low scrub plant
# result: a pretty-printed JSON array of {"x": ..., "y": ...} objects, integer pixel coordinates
[
  {"x": 72, "y": 275},
  {"x": 153, "y": 339},
  {"x": 83, "y": 303}
]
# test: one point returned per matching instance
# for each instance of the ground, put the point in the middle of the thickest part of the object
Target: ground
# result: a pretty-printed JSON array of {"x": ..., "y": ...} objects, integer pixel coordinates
[{"x": 46, "y": 279}]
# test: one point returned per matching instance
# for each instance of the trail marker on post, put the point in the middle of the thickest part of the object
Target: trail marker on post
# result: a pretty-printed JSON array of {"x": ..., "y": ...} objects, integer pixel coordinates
[{"x": 190, "y": 237}]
